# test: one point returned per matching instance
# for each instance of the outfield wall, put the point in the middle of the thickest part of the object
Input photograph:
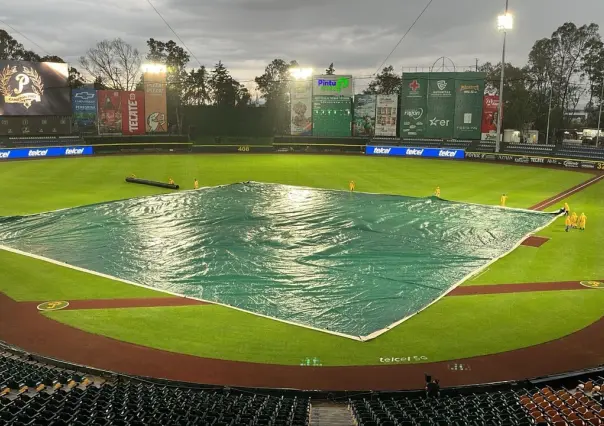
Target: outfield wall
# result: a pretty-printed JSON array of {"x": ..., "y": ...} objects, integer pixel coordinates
[{"x": 459, "y": 151}]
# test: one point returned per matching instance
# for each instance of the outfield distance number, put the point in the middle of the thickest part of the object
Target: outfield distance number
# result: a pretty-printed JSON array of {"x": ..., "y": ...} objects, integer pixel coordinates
[{"x": 243, "y": 148}]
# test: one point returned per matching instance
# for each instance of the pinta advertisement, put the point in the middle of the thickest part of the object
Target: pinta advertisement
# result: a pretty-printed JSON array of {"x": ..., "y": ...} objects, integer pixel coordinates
[{"x": 332, "y": 85}]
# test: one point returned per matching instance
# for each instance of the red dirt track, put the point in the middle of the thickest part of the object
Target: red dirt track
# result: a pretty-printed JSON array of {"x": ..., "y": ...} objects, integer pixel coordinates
[
  {"x": 534, "y": 241},
  {"x": 23, "y": 326}
]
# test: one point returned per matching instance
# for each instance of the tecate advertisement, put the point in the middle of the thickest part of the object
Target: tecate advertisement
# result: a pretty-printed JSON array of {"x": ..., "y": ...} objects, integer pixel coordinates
[
  {"x": 386, "y": 115},
  {"x": 133, "y": 113},
  {"x": 34, "y": 88},
  {"x": 401, "y": 151},
  {"x": 71, "y": 151}
]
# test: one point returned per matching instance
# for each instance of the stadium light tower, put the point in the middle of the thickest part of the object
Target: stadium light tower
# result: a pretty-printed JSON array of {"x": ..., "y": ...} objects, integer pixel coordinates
[
  {"x": 301, "y": 73},
  {"x": 505, "y": 23},
  {"x": 154, "y": 68}
]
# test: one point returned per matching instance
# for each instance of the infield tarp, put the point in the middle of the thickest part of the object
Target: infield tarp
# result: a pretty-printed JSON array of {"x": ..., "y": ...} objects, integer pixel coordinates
[{"x": 347, "y": 263}]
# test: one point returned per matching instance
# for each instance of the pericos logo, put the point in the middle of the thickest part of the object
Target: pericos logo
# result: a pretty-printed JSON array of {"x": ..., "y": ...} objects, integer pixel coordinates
[{"x": 21, "y": 87}]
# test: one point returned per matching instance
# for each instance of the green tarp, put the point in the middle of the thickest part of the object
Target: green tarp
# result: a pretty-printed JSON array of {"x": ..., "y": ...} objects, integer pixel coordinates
[{"x": 349, "y": 263}]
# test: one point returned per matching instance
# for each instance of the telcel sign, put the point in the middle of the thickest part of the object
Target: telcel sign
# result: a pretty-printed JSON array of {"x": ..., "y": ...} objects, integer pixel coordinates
[
  {"x": 332, "y": 85},
  {"x": 401, "y": 151}
]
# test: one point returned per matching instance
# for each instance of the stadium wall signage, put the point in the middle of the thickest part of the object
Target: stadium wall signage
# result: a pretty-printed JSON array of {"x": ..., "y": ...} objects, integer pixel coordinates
[
  {"x": 401, "y": 151},
  {"x": 530, "y": 159},
  {"x": 69, "y": 151}
]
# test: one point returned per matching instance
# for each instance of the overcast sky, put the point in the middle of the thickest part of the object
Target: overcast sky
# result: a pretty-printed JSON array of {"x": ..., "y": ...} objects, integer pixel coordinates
[{"x": 356, "y": 35}]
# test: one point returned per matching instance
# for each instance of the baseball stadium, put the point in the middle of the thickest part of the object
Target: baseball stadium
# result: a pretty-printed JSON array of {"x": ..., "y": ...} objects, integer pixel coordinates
[{"x": 215, "y": 277}]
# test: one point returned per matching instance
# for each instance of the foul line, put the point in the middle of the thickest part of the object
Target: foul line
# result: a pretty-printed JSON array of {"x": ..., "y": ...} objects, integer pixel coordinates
[{"x": 549, "y": 202}]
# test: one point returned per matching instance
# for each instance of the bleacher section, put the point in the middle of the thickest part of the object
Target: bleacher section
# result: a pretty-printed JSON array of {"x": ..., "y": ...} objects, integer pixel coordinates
[
  {"x": 581, "y": 152},
  {"x": 535, "y": 406},
  {"x": 36, "y": 394},
  {"x": 530, "y": 149},
  {"x": 39, "y": 141}
]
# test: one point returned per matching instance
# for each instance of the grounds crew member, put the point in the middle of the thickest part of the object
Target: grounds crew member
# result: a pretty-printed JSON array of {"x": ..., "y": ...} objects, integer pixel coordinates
[
  {"x": 574, "y": 219},
  {"x": 582, "y": 221},
  {"x": 196, "y": 184},
  {"x": 566, "y": 209},
  {"x": 568, "y": 223},
  {"x": 503, "y": 199},
  {"x": 170, "y": 181},
  {"x": 351, "y": 186},
  {"x": 437, "y": 192}
]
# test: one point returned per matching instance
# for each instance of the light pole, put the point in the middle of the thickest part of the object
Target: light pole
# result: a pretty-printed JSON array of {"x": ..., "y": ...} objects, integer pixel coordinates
[
  {"x": 600, "y": 114},
  {"x": 505, "y": 22}
]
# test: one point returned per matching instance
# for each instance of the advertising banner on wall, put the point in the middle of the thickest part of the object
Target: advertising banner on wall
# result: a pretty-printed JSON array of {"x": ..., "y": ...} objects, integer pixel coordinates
[
  {"x": 35, "y": 125},
  {"x": 56, "y": 151},
  {"x": 332, "y": 85},
  {"x": 468, "y": 108},
  {"x": 156, "y": 106},
  {"x": 441, "y": 106},
  {"x": 84, "y": 108},
  {"x": 363, "y": 124},
  {"x": 402, "y": 151},
  {"x": 34, "y": 88},
  {"x": 414, "y": 106},
  {"x": 109, "y": 112},
  {"x": 489, "y": 118},
  {"x": 386, "y": 115},
  {"x": 301, "y": 108},
  {"x": 133, "y": 113}
]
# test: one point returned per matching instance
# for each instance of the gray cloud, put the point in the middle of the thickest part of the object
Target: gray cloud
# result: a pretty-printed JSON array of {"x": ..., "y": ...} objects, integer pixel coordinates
[{"x": 247, "y": 34}]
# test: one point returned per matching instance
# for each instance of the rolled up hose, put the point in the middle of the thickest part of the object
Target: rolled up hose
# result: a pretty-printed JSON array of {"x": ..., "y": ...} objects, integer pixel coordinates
[{"x": 152, "y": 183}]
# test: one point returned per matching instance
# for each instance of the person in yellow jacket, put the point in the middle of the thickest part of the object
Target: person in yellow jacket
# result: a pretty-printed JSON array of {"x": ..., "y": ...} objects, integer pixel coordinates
[
  {"x": 582, "y": 221},
  {"x": 566, "y": 209},
  {"x": 503, "y": 200},
  {"x": 568, "y": 223},
  {"x": 171, "y": 181},
  {"x": 437, "y": 192},
  {"x": 351, "y": 186},
  {"x": 196, "y": 184},
  {"x": 574, "y": 219}
]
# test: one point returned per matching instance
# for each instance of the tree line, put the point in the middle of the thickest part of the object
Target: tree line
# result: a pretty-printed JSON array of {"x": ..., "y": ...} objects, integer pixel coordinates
[{"x": 563, "y": 72}]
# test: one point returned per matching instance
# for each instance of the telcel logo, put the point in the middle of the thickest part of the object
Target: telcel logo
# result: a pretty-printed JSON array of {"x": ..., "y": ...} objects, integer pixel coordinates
[
  {"x": 415, "y": 152},
  {"x": 37, "y": 153},
  {"x": 4, "y": 154},
  {"x": 333, "y": 85},
  {"x": 447, "y": 153},
  {"x": 74, "y": 151},
  {"x": 380, "y": 150}
]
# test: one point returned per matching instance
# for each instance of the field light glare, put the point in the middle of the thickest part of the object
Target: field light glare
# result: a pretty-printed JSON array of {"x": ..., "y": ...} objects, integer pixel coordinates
[
  {"x": 505, "y": 22},
  {"x": 301, "y": 73},
  {"x": 154, "y": 68}
]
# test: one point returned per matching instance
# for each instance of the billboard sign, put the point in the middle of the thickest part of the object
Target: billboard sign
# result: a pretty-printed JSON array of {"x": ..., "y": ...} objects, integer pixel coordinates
[
  {"x": 301, "y": 108},
  {"x": 489, "y": 118},
  {"x": 364, "y": 115},
  {"x": 55, "y": 151},
  {"x": 84, "y": 107},
  {"x": 468, "y": 109},
  {"x": 441, "y": 107},
  {"x": 109, "y": 112},
  {"x": 538, "y": 161},
  {"x": 156, "y": 106},
  {"x": 401, "y": 151},
  {"x": 386, "y": 115},
  {"x": 34, "y": 88},
  {"x": 332, "y": 85},
  {"x": 414, "y": 106},
  {"x": 133, "y": 113},
  {"x": 332, "y": 116}
]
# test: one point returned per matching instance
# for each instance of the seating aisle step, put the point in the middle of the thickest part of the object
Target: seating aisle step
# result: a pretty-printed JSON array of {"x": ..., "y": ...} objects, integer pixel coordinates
[{"x": 330, "y": 414}]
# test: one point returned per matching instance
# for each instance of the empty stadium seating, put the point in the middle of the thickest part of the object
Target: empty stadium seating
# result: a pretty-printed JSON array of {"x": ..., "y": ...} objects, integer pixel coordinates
[
  {"x": 40, "y": 141},
  {"x": 534, "y": 406},
  {"x": 581, "y": 152},
  {"x": 37, "y": 394},
  {"x": 530, "y": 149}
]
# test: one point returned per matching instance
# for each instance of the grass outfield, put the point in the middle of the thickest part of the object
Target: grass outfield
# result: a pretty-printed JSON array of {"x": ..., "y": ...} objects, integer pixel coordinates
[{"x": 453, "y": 328}]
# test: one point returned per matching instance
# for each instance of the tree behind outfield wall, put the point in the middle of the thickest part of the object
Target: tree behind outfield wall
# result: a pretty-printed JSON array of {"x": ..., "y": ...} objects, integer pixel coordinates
[
  {"x": 115, "y": 62},
  {"x": 274, "y": 86},
  {"x": 387, "y": 82}
]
